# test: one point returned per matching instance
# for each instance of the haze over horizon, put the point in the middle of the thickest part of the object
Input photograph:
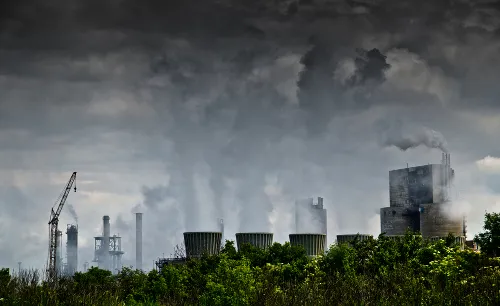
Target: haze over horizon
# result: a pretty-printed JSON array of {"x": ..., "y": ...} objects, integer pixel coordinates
[{"x": 192, "y": 111}]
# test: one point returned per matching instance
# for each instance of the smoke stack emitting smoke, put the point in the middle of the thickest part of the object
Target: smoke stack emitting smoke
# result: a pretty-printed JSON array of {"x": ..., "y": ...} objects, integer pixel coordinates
[
  {"x": 408, "y": 138},
  {"x": 72, "y": 211}
]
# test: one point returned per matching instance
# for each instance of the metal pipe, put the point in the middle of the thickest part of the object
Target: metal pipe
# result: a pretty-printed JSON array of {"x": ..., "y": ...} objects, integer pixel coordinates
[{"x": 138, "y": 241}]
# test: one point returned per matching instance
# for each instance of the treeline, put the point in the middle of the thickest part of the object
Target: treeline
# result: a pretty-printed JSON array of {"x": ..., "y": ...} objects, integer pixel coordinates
[{"x": 405, "y": 271}]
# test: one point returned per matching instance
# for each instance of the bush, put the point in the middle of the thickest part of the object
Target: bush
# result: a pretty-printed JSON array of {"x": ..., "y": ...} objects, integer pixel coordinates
[{"x": 383, "y": 271}]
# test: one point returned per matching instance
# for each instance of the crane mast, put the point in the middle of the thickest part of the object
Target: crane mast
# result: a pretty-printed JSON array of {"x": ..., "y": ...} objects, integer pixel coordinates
[{"x": 53, "y": 227}]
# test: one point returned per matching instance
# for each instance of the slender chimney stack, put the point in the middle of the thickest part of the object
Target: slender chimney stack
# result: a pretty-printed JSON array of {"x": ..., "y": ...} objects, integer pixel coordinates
[
  {"x": 138, "y": 241},
  {"x": 106, "y": 228}
]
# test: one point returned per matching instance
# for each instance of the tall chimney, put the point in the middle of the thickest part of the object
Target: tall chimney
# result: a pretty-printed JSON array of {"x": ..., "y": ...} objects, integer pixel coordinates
[
  {"x": 105, "y": 242},
  {"x": 138, "y": 241}
]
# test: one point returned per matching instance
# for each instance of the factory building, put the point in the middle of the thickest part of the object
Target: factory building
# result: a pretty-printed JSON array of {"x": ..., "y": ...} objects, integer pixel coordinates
[
  {"x": 314, "y": 244},
  {"x": 71, "y": 249},
  {"x": 417, "y": 196},
  {"x": 107, "y": 249},
  {"x": 259, "y": 240},
  {"x": 310, "y": 217}
]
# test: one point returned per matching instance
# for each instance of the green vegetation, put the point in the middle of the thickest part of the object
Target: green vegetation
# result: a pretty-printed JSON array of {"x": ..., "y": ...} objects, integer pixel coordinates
[{"x": 383, "y": 271}]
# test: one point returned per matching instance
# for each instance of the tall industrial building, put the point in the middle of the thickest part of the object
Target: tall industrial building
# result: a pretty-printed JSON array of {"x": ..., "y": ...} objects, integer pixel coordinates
[
  {"x": 310, "y": 217},
  {"x": 107, "y": 249},
  {"x": 71, "y": 249},
  {"x": 417, "y": 195}
]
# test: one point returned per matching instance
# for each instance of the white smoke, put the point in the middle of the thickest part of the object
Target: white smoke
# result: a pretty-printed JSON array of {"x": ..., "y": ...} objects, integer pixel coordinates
[
  {"x": 406, "y": 136},
  {"x": 72, "y": 212}
]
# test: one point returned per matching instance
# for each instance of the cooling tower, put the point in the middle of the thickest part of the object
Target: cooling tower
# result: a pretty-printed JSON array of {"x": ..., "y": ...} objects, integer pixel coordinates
[
  {"x": 199, "y": 243},
  {"x": 435, "y": 223},
  {"x": 72, "y": 249},
  {"x": 259, "y": 240},
  {"x": 314, "y": 244},
  {"x": 350, "y": 238}
]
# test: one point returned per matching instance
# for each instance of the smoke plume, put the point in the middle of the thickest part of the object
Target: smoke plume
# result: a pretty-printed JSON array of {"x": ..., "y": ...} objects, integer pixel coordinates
[
  {"x": 72, "y": 212},
  {"x": 407, "y": 137}
]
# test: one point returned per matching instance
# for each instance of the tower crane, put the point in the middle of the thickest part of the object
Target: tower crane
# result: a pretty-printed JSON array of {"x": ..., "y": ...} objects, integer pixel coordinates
[{"x": 53, "y": 224}]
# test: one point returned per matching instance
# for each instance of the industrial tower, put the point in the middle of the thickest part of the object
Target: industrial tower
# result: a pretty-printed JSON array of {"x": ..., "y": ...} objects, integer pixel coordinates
[
  {"x": 54, "y": 259},
  {"x": 417, "y": 197}
]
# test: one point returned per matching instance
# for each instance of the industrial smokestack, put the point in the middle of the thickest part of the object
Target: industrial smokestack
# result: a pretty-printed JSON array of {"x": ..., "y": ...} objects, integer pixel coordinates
[
  {"x": 72, "y": 249},
  {"x": 138, "y": 241},
  {"x": 106, "y": 229}
]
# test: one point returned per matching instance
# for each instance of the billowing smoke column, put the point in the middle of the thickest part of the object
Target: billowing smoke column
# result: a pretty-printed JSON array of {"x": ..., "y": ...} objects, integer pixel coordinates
[
  {"x": 105, "y": 243},
  {"x": 72, "y": 249},
  {"x": 404, "y": 138},
  {"x": 138, "y": 241},
  {"x": 72, "y": 211}
]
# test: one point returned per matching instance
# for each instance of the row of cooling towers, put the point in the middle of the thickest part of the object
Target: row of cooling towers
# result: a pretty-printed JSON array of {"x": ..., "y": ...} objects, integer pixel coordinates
[{"x": 199, "y": 243}]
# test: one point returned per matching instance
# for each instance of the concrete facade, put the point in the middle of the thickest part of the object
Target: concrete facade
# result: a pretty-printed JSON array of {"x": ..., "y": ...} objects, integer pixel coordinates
[
  {"x": 259, "y": 240},
  {"x": 314, "y": 244},
  {"x": 71, "y": 249},
  {"x": 416, "y": 196},
  {"x": 351, "y": 237},
  {"x": 199, "y": 243}
]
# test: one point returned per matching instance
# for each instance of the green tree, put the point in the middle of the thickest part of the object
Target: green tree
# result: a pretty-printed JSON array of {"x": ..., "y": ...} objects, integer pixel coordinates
[{"x": 489, "y": 240}]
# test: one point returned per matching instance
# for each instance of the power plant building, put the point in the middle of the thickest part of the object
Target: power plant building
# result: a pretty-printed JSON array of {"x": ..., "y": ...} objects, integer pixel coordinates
[
  {"x": 417, "y": 197},
  {"x": 71, "y": 249},
  {"x": 310, "y": 217},
  {"x": 107, "y": 249}
]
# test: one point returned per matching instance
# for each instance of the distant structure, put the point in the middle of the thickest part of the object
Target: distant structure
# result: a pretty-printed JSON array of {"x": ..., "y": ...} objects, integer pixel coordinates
[
  {"x": 138, "y": 241},
  {"x": 314, "y": 244},
  {"x": 310, "y": 217},
  {"x": 417, "y": 195},
  {"x": 71, "y": 249},
  {"x": 60, "y": 265},
  {"x": 199, "y": 243},
  {"x": 107, "y": 249},
  {"x": 221, "y": 229},
  {"x": 259, "y": 240},
  {"x": 348, "y": 239}
]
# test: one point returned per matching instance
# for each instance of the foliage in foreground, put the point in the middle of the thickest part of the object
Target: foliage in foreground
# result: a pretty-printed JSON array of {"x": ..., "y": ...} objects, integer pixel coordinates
[{"x": 406, "y": 271}]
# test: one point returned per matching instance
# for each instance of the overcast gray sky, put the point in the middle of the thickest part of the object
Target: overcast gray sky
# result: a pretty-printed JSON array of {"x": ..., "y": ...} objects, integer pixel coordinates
[{"x": 189, "y": 112}]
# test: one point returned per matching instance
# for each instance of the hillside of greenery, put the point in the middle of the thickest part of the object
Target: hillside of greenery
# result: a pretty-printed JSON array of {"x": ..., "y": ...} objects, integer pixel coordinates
[{"x": 408, "y": 271}]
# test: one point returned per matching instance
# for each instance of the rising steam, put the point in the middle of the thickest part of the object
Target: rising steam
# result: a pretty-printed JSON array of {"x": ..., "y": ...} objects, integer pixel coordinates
[
  {"x": 72, "y": 211},
  {"x": 405, "y": 137}
]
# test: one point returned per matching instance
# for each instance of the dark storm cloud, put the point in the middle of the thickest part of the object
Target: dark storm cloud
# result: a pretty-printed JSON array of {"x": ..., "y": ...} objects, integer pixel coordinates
[{"x": 247, "y": 105}]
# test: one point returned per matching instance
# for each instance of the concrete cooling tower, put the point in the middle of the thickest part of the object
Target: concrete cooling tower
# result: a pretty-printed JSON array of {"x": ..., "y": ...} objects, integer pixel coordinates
[
  {"x": 199, "y": 243},
  {"x": 314, "y": 244},
  {"x": 259, "y": 240},
  {"x": 351, "y": 237}
]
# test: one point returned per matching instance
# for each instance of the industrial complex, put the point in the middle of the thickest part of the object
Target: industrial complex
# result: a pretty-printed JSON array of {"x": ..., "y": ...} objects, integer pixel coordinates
[{"x": 417, "y": 198}]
